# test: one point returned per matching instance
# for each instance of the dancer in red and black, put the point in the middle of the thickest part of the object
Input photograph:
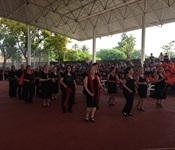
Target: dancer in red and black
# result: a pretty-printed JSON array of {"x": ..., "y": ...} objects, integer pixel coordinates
[
  {"x": 54, "y": 85},
  {"x": 68, "y": 86},
  {"x": 142, "y": 83},
  {"x": 12, "y": 82},
  {"x": 112, "y": 80},
  {"x": 160, "y": 87},
  {"x": 128, "y": 90},
  {"x": 28, "y": 84},
  {"x": 19, "y": 73},
  {"x": 37, "y": 83},
  {"x": 45, "y": 81},
  {"x": 92, "y": 87}
]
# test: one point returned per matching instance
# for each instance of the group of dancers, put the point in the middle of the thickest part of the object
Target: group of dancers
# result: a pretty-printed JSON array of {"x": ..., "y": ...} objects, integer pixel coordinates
[{"x": 48, "y": 82}]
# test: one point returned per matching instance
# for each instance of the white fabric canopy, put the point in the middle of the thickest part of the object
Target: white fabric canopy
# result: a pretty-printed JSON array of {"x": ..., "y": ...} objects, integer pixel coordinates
[{"x": 78, "y": 18}]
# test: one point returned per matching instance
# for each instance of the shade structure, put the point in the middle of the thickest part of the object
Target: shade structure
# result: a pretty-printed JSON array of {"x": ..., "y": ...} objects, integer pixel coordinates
[{"x": 78, "y": 18}]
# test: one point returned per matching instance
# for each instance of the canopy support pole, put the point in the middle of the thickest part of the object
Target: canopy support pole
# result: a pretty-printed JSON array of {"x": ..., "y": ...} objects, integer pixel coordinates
[
  {"x": 94, "y": 46},
  {"x": 29, "y": 45},
  {"x": 143, "y": 39}
]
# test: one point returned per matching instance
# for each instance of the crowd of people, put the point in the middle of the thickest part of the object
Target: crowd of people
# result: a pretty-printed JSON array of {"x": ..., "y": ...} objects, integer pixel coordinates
[{"x": 47, "y": 81}]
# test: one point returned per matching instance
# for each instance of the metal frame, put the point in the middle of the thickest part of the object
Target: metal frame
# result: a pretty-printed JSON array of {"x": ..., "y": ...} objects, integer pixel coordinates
[{"x": 78, "y": 18}]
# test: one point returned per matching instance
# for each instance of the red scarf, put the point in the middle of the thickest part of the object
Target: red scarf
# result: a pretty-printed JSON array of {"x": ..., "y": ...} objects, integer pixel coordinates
[
  {"x": 91, "y": 86},
  {"x": 68, "y": 92},
  {"x": 21, "y": 80}
]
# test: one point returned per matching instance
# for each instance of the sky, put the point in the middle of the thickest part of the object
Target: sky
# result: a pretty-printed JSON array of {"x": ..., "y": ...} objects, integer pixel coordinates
[{"x": 156, "y": 37}]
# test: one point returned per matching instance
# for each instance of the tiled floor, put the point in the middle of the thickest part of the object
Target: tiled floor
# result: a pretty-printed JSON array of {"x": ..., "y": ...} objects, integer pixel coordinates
[{"x": 32, "y": 127}]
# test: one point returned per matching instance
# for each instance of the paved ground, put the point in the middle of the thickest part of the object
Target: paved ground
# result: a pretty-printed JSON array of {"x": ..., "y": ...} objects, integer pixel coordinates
[{"x": 32, "y": 127}]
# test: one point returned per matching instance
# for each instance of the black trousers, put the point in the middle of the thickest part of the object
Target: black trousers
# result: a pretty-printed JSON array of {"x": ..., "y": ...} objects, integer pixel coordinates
[
  {"x": 37, "y": 86},
  {"x": 20, "y": 91},
  {"x": 28, "y": 93},
  {"x": 12, "y": 88},
  {"x": 70, "y": 100},
  {"x": 129, "y": 102}
]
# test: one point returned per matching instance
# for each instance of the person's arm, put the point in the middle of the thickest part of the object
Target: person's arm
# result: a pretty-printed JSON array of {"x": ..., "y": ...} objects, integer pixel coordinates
[
  {"x": 159, "y": 80},
  {"x": 86, "y": 86},
  {"x": 43, "y": 80},
  {"x": 139, "y": 83},
  {"x": 99, "y": 82},
  {"x": 62, "y": 83},
  {"x": 108, "y": 78},
  {"x": 75, "y": 83},
  {"x": 124, "y": 86},
  {"x": 118, "y": 78}
]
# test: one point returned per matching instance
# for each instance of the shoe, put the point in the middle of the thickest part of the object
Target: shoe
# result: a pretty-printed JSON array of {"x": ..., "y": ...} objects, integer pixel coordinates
[
  {"x": 161, "y": 106},
  {"x": 112, "y": 104},
  {"x": 87, "y": 119},
  {"x": 92, "y": 120},
  {"x": 124, "y": 114},
  {"x": 130, "y": 114},
  {"x": 157, "y": 104},
  {"x": 142, "y": 109},
  {"x": 138, "y": 108}
]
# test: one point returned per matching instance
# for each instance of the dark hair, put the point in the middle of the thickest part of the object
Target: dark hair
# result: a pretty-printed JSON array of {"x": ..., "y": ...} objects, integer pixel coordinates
[
  {"x": 27, "y": 66},
  {"x": 94, "y": 64},
  {"x": 112, "y": 68},
  {"x": 127, "y": 69},
  {"x": 66, "y": 69}
]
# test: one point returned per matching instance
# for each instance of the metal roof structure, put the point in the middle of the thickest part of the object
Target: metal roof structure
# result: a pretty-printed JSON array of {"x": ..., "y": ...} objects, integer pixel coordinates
[{"x": 77, "y": 19}]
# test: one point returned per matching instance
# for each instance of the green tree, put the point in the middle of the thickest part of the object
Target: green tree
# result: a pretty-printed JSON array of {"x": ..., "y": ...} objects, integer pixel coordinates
[
  {"x": 136, "y": 54},
  {"x": 111, "y": 54},
  {"x": 43, "y": 43},
  {"x": 84, "y": 48},
  {"x": 169, "y": 48},
  {"x": 77, "y": 55},
  {"x": 127, "y": 45},
  {"x": 75, "y": 46},
  {"x": 7, "y": 44}
]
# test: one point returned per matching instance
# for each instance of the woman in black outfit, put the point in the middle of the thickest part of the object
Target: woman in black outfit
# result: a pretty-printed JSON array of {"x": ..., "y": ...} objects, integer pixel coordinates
[
  {"x": 54, "y": 85},
  {"x": 92, "y": 87},
  {"x": 28, "y": 84},
  {"x": 45, "y": 81},
  {"x": 128, "y": 90},
  {"x": 160, "y": 87},
  {"x": 112, "y": 80},
  {"x": 68, "y": 86},
  {"x": 142, "y": 83}
]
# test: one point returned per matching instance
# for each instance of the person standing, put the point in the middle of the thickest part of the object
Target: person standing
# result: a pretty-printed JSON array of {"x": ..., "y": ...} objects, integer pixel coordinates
[
  {"x": 128, "y": 91},
  {"x": 28, "y": 84},
  {"x": 19, "y": 73},
  {"x": 92, "y": 87},
  {"x": 45, "y": 81},
  {"x": 37, "y": 83},
  {"x": 12, "y": 82},
  {"x": 142, "y": 83},
  {"x": 68, "y": 86},
  {"x": 112, "y": 80},
  {"x": 54, "y": 84},
  {"x": 160, "y": 87}
]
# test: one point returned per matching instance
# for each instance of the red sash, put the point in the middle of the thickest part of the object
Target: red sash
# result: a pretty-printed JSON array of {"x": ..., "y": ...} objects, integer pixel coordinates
[
  {"x": 21, "y": 80},
  {"x": 68, "y": 92},
  {"x": 92, "y": 89}
]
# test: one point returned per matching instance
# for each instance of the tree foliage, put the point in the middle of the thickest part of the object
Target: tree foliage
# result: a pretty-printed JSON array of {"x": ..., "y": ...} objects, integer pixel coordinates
[
  {"x": 169, "y": 48},
  {"x": 7, "y": 43},
  {"x": 43, "y": 43},
  {"x": 111, "y": 54},
  {"x": 136, "y": 54},
  {"x": 127, "y": 45},
  {"x": 77, "y": 55}
]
